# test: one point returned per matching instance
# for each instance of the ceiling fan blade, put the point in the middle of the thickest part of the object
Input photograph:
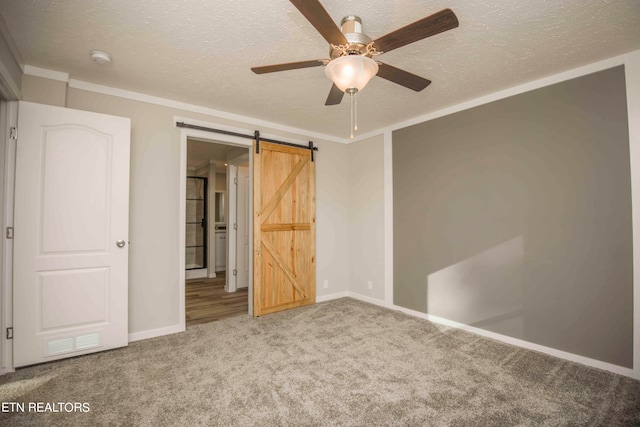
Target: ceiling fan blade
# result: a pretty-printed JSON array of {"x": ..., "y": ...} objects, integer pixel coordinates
[
  {"x": 401, "y": 77},
  {"x": 426, "y": 27},
  {"x": 320, "y": 19},
  {"x": 287, "y": 66},
  {"x": 335, "y": 96}
]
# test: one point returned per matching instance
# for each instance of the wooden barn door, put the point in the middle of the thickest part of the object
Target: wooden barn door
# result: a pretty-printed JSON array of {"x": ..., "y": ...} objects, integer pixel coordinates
[{"x": 284, "y": 228}]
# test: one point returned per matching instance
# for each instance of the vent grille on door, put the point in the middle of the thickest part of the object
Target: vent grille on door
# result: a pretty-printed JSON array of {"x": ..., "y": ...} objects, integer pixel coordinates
[
  {"x": 58, "y": 346},
  {"x": 87, "y": 341},
  {"x": 63, "y": 345}
]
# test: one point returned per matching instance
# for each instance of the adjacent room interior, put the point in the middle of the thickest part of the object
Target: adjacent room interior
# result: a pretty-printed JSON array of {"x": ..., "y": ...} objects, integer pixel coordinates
[{"x": 211, "y": 182}]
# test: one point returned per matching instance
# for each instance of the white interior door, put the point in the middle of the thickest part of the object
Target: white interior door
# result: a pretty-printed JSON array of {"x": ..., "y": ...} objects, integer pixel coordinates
[
  {"x": 242, "y": 258},
  {"x": 71, "y": 233}
]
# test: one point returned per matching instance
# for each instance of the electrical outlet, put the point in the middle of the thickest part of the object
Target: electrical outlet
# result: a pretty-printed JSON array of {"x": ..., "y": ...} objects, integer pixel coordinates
[
  {"x": 326, "y": 284},
  {"x": 370, "y": 284}
]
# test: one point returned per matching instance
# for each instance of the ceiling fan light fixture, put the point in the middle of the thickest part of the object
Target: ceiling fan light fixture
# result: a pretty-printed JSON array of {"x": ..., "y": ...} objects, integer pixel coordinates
[{"x": 351, "y": 72}]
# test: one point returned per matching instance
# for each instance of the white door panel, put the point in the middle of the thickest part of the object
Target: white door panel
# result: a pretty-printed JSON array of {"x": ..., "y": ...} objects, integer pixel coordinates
[
  {"x": 77, "y": 161},
  {"x": 91, "y": 286},
  {"x": 72, "y": 196}
]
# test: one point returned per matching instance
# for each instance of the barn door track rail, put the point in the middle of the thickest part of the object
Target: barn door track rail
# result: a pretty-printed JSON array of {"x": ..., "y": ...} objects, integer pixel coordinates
[{"x": 255, "y": 136}]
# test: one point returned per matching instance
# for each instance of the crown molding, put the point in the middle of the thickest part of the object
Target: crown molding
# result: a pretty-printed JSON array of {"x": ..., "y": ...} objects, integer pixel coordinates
[
  {"x": 505, "y": 93},
  {"x": 46, "y": 73},
  {"x": 516, "y": 90},
  {"x": 136, "y": 96}
]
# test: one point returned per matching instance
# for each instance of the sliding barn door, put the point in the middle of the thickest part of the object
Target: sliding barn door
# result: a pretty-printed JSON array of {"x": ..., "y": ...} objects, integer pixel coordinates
[{"x": 284, "y": 228}]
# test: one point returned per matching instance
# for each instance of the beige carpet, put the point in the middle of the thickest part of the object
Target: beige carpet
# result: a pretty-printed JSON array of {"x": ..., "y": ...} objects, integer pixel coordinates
[{"x": 342, "y": 362}]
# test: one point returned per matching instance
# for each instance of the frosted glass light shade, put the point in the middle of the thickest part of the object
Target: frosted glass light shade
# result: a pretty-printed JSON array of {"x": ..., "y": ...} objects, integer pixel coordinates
[{"x": 351, "y": 71}]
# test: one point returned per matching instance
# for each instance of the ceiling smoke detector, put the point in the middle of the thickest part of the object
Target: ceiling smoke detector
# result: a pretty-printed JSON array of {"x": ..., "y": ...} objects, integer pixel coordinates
[{"x": 100, "y": 57}]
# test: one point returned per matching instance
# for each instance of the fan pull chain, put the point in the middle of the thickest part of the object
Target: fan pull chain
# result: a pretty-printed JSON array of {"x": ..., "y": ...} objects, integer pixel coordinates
[
  {"x": 353, "y": 93},
  {"x": 352, "y": 114},
  {"x": 355, "y": 112}
]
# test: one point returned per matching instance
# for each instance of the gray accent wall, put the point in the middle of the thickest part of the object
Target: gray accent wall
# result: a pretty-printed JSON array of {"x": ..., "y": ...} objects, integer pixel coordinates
[{"x": 515, "y": 217}]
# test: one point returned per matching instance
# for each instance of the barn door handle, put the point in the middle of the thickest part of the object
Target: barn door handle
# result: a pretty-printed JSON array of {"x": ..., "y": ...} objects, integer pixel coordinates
[{"x": 120, "y": 243}]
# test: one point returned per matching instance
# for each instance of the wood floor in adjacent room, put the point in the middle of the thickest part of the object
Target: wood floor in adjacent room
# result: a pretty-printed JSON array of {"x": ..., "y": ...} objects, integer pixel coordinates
[{"x": 207, "y": 301}]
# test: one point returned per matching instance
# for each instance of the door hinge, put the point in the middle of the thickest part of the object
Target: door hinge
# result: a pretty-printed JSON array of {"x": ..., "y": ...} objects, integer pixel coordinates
[
  {"x": 9, "y": 232},
  {"x": 235, "y": 226},
  {"x": 235, "y": 272},
  {"x": 10, "y": 333},
  {"x": 235, "y": 181},
  {"x": 13, "y": 133}
]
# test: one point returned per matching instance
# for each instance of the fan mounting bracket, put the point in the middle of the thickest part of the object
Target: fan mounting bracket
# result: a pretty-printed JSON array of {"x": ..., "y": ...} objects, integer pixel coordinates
[{"x": 358, "y": 43}]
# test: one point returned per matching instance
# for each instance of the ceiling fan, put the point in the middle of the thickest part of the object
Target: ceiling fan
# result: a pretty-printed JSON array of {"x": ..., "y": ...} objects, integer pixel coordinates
[{"x": 351, "y": 65}]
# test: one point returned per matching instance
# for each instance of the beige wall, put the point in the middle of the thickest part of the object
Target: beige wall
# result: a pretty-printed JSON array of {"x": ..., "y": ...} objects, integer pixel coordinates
[
  {"x": 331, "y": 218},
  {"x": 221, "y": 181},
  {"x": 44, "y": 91},
  {"x": 366, "y": 217},
  {"x": 154, "y": 204}
]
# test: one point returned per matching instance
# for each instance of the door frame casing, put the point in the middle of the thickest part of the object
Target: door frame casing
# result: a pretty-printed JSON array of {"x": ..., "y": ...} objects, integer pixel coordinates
[
  {"x": 214, "y": 138},
  {"x": 8, "y": 120},
  {"x": 231, "y": 204},
  {"x": 232, "y": 232}
]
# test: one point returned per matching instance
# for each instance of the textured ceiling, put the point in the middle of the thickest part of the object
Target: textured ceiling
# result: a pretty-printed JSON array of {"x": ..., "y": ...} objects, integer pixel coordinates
[{"x": 200, "y": 51}]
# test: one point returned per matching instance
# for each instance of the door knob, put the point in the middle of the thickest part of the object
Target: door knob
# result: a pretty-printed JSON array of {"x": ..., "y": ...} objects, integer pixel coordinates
[{"x": 120, "y": 243}]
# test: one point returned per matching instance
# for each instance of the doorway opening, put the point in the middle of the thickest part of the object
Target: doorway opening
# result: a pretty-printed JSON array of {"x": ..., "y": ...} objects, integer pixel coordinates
[{"x": 216, "y": 228}]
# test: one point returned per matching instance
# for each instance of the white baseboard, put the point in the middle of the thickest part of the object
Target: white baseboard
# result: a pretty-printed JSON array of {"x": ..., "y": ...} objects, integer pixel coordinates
[
  {"x": 620, "y": 370},
  {"x": 365, "y": 298},
  {"x": 4, "y": 371},
  {"x": 330, "y": 297},
  {"x": 152, "y": 333},
  {"x": 200, "y": 273}
]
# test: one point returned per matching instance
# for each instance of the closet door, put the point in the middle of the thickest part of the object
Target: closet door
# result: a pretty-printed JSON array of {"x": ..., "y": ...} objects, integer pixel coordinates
[{"x": 70, "y": 283}]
